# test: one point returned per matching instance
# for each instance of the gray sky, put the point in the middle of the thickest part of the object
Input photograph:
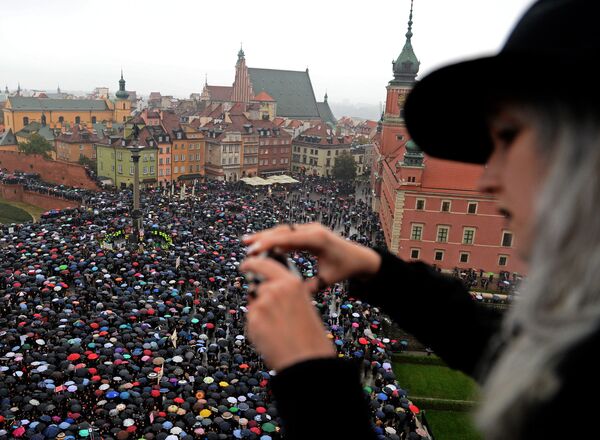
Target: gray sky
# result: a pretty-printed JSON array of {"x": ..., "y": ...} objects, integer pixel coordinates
[{"x": 169, "y": 46}]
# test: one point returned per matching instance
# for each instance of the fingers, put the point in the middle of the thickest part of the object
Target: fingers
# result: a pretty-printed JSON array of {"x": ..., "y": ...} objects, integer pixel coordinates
[
  {"x": 311, "y": 237},
  {"x": 266, "y": 268}
]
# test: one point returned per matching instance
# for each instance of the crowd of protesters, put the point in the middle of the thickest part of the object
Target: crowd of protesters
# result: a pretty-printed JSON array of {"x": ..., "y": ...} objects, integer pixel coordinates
[{"x": 102, "y": 339}]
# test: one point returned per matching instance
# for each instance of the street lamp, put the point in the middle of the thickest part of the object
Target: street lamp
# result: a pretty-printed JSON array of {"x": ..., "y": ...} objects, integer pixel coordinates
[{"x": 136, "y": 213}]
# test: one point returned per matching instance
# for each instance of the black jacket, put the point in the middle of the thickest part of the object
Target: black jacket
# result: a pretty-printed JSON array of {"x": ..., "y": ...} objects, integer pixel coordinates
[{"x": 439, "y": 311}]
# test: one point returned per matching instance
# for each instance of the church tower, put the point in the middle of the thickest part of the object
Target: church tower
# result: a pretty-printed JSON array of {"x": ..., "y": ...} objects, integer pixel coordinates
[
  {"x": 122, "y": 103},
  {"x": 242, "y": 87},
  {"x": 405, "y": 70}
]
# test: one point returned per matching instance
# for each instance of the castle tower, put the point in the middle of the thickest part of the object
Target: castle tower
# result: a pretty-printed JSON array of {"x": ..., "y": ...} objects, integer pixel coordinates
[{"x": 405, "y": 69}]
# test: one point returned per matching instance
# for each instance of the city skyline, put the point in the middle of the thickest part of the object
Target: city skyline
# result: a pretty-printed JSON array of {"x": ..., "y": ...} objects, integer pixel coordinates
[{"x": 347, "y": 48}]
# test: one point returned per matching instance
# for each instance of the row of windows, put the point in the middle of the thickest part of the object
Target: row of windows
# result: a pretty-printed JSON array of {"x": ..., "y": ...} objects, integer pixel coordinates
[
  {"x": 273, "y": 161},
  {"x": 177, "y": 170},
  {"x": 438, "y": 255},
  {"x": 274, "y": 141},
  {"x": 282, "y": 150},
  {"x": 61, "y": 119},
  {"x": 177, "y": 158},
  {"x": 445, "y": 206},
  {"x": 468, "y": 235},
  {"x": 145, "y": 170},
  {"x": 182, "y": 146}
]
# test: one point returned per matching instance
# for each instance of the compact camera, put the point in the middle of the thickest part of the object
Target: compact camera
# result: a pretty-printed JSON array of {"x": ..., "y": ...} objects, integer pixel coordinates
[{"x": 278, "y": 256}]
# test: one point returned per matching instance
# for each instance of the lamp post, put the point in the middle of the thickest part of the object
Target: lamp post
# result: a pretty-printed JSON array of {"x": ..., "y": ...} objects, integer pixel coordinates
[{"x": 136, "y": 213}]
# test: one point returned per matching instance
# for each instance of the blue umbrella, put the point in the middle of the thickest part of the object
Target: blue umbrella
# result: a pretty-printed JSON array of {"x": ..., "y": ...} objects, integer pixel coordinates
[{"x": 111, "y": 394}]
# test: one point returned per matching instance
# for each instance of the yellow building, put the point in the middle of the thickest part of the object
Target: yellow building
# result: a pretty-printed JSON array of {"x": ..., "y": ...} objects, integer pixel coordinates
[
  {"x": 19, "y": 111},
  {"x": 314, "y": 151}
]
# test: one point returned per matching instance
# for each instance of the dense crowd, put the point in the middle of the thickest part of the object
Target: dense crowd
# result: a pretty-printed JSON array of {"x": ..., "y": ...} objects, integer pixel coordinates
[{"x": 102, "y": 340}]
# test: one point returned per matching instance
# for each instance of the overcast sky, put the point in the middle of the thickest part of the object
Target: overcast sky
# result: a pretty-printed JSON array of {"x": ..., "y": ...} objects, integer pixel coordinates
[{"x": 169, "y": 46}]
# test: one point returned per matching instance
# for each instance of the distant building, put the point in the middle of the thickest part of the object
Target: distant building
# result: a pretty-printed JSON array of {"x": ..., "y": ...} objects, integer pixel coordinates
[
  {"x": 8, "y": 141},
  {"x": 231, "y": 148},
  {"x": 314, "y": 151},
  {"x": 114, "y": 161},
  {"x": 76, "y": 143},
  {"x": 274, "y": 149},
  {"x": 430, "y": 209},
  {"x": 284, "y": 93},
  {"x": 20, "y": 111}
]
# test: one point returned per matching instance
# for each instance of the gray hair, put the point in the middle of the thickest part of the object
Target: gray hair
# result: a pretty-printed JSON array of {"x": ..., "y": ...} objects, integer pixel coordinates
[{"x": 560, "y": 303}]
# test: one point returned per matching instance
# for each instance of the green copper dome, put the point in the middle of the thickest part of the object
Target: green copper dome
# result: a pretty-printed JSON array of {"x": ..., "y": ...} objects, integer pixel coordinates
[
  {"x": 411, "y": 147},
  {"x": 406, "y": 65},
  {"x": 122, "y": 93}
]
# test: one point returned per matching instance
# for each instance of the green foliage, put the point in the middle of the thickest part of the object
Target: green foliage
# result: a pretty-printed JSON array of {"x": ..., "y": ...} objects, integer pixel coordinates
[
  {"x": 36, "y": 145},
  {"x": 90, "y": 163},
  {"x": 344, "y": 167},
  {"x": 452, "y": 425}
]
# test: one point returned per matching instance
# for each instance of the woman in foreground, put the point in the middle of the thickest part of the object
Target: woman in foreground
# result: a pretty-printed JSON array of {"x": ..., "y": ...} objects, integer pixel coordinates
[{"x": 531, "y": 115}]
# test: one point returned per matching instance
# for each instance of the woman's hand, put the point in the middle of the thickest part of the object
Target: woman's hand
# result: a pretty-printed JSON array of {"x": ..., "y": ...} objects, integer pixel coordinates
[
  {"x": 339, "y": 259},
  {"x": 281, "y": 321}
]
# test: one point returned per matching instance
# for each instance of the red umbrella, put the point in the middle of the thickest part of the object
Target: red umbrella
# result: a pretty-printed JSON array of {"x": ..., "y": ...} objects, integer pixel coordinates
[
  {"x": 414, "y": 409},
  {"x": 73, "y": 356},
  {"x": 92, "y": 356},
  {"x": 363, "y": 341}
]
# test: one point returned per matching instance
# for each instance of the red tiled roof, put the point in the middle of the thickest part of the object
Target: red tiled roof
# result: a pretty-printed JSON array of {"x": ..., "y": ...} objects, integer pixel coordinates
[
  {"x": 237, "y": 109},
  {"x": 264, "y": 96},
  {"x": 446, "y": 174},
  {"x": 170, "y": 122},
  {"x": 322, "y": 130},
  {"x": 220, "y": 93},
  {"x": 80, "y": 135},
  {"x": 278, "y": 121}
]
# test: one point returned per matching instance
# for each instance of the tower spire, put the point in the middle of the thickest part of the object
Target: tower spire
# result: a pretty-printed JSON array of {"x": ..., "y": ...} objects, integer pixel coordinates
[
  {"x": 241, "y": 52},
  {"x": 205, "y": 79},
  {"x": 406, "y": 66},
  {"x": 122, "y": 93},
  {"x": 409, "y": 33}
]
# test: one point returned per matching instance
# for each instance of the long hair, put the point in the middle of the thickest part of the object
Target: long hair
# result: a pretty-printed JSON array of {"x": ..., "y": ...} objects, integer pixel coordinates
[{"x": 560, "y": 302}]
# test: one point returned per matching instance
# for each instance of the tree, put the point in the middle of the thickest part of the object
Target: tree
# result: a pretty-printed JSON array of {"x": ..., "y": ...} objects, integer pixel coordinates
[
  {"x": 36, "y": 145},
  {"x": 87, "y": 162},
  {"x": 344, "y": 167}
]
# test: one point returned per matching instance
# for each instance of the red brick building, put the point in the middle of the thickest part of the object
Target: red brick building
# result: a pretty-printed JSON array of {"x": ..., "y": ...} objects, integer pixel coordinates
[
  {"x": 274, "y": 148},
  {"x": 431, "y": 209}
]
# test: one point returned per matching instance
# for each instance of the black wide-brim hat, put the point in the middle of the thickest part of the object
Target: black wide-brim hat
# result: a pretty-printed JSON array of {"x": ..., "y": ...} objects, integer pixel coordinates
[{"x": 552, "y": 54}]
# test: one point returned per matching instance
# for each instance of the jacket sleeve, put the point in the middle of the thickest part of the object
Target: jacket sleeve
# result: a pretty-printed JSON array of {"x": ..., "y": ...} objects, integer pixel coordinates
[
  {"x": 312, "y": 392},
  {"x": 435, "y": 308}
]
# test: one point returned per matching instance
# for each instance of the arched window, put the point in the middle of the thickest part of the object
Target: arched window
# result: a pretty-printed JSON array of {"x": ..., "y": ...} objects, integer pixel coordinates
[
  {"x": 25, "y": 120},
  {"x": 93, "y": 119},
  {"x": 43, "y": 119},
  {"x": 77, "y": 120},
  {"x": 61, "y": 119}
]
